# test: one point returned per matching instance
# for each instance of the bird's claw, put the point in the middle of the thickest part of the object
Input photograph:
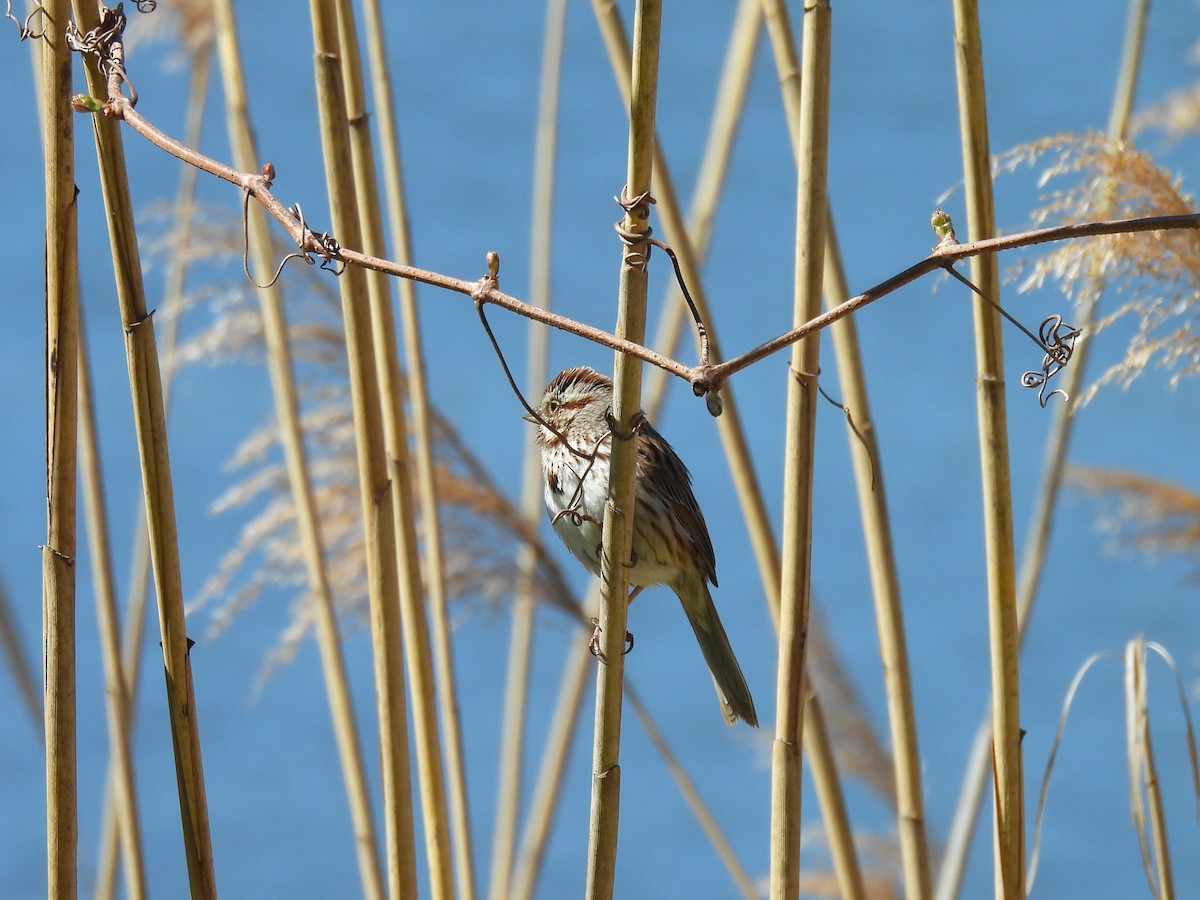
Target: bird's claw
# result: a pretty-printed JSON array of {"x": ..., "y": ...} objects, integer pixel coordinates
[{"x": 594, "y": 642}]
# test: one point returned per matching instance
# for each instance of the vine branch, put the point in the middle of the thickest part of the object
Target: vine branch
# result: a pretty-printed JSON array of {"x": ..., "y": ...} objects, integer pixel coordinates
[{"x": 704, "y": 378}]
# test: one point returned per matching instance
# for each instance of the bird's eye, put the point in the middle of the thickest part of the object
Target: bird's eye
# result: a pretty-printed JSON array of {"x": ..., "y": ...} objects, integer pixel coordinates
[{"x": 552, "y": 405}]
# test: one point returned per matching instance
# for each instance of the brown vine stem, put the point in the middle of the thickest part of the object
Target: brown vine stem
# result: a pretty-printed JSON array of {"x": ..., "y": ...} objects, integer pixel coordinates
[{"x": 702, "y": 378}]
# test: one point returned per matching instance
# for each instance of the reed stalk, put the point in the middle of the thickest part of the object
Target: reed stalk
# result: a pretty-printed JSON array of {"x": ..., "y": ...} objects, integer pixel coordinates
[
  {"x": 24, "y": 678},
  {"x": 375, "y": 476},
  {"x": 418, "y": 653},
  {"x": 422, "y": 431},
  {"x": 1143, "y": 775},
  {"x": 547, "y": 789},
  {"x": 619, "y": 508},
  {"x": 734, "y": 442},
  {"x": 691, "y": 795},
  {"x": 291, "y": 437},
  {"x": 811, "y": 219},
  {"x": 135, "y": 616},
  {"x": 868, "y": 477},
  {"x": 994, "y": 463},
  {"x": 58, "y": 553},
  {"x": 710, "y": 182},
  {"x": 520, "y": 650},
  {"x": 124, "y": 788},
  {"x": 150, "y": 426},
  {"x": 1037, "y": 542},
  {"x": 841, "y": 841},
  {"x": 729, "y": 425}
]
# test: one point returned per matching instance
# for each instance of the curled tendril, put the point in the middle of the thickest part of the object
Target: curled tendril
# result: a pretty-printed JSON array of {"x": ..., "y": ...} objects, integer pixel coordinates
[
  {"x": 103, "y": 42},
  {"x": 1058, "y": 340},
  {"x": 1055, "y": 337},
  {"x": 147, "y": 6},
  {"x": 575, "y": 504},
  {"x": 25, "y": 29},
  {"x": 637, "y": 250},
  {"x": 330, "y": 252}
]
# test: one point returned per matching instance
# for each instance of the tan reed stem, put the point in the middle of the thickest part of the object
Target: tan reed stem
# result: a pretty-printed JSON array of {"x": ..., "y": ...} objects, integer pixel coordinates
[
  {"x": 150, "y": 426},
  {"x": 291, "y": 437},
  {"x": 993, "y": 448},
  {"x": 619, "y": 508},
  {"x": 552, "y": 770},
  {"x": 1143, "y": 774},
  {"x": 885, "y": 587},
  {"x": 131, "y": 644},
  {"x": 550, "y": 774},
  {"x": 58, "y": 553},
  {"x": 375, "y": 477},
  {"x": 734, "y": 442},
  {"x": 710, "y": 181},
  {"x": 418, "y": 653},
  {"x": 1033, "y": 557},
  {"x": 423, "y": 443},
  {"x": 124, "y": 788},
  {"x": 811, "y": 218},
  {"x": 820, "y": 755},
  {"x": 520, "y": 650},
  {"x": 736, "y": 446},
  {"x": 19, "y": 665},
  {"x": 27, "y": 680},
  {"x": 691, "y": 795},
  {"x": 729, "y": 425},
  {"x": 872, "y": 498}
]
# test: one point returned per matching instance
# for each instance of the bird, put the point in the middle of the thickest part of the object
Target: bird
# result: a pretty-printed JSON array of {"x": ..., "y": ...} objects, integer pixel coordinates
[{"x": 671, "y": 545}]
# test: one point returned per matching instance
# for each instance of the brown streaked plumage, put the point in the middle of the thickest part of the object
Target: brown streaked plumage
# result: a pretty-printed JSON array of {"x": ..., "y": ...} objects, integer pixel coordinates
[{"x": 671, "y": 545}]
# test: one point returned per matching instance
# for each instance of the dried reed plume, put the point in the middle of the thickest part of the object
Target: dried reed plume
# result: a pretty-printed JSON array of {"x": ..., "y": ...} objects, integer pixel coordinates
[
  {"x": 1146, "y": 515},
  {"x": 1157, "y": 274}
]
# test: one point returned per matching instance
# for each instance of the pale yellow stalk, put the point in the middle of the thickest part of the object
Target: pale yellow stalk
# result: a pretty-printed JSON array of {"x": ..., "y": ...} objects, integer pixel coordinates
[
  {"x": 547, "y": 789},
  {"x": 872, "y": 498},
  {"x": 418, "y": 653},
  {"x": 150, "y": 426},
  {"x": 23, "y": 675},
  {"x": 993, "y": 448},
  {"x": 291, "y": 438},
  {"x": 811, "y": 219},
  {"x": 1033, "y": 558},
  {"x": 829, "y": 792},
  {"x": 135, "y": 620},
  {"x": 1143, "y": 775},
  {"x": 422, "y": 432},
  {"x": 520, "y": 649},
  {"x": 375, "y": 475},
  {"x": 58, "y": 553},
  {"x": 124, "y": 789},
  {"x": 619, "y": 508}
]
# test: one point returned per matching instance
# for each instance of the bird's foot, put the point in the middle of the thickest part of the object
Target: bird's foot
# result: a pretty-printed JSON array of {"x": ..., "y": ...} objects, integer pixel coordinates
[{"x": 594, "y": 642}]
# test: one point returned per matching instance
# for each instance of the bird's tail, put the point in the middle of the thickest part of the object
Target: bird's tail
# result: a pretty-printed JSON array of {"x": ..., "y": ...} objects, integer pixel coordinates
[{"x": 732, "y": 691}]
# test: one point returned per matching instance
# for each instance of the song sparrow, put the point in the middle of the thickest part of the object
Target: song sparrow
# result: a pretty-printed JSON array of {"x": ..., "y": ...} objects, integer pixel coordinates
[{"x": 671, "y": 545}]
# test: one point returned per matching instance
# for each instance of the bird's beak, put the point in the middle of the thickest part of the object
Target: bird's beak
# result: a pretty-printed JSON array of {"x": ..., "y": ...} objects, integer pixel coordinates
[{"x": 531, "y": 419}]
